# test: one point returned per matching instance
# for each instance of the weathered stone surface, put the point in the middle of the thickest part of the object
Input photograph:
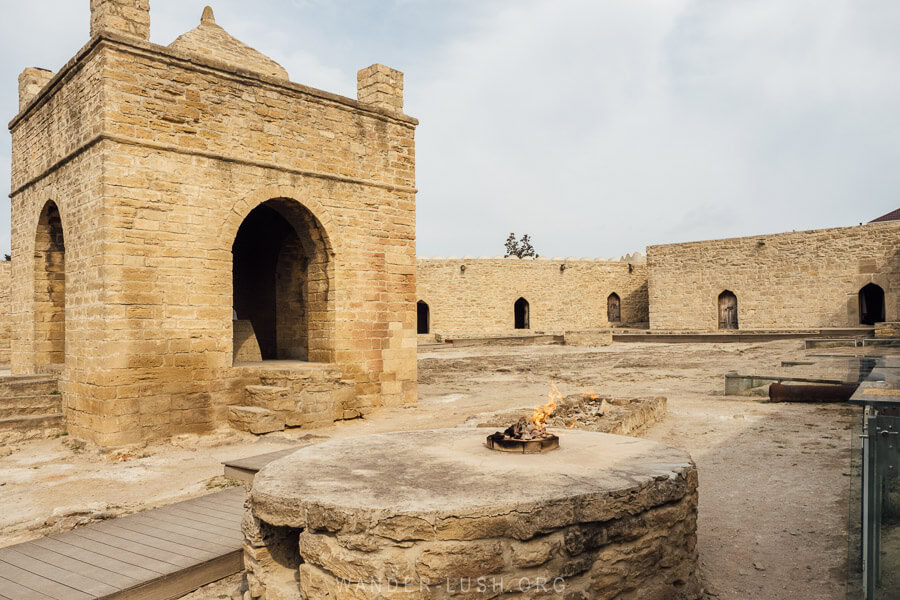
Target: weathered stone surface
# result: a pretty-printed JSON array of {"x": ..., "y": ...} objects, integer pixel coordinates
[
  {"x": 211, "y": 41},
  {"x": 389, "y": 563},
  {"x": 796, "y": 280},
  {"x": 480, "y": 299},
  {"x": 246, "y": 346},
  {"x": 603, "y": 414},
  {"x": 434, "y": 475},
  {"x": 131, "y": 180},
  {"x": 589, "y": 338},
  {"x": 889, "y": 329},
  {"x": 445, "y": 517},
  {"x": 445, "y": 561},
  {"x": 253, "y": 419},
  {"x": 272, "y": 397}
]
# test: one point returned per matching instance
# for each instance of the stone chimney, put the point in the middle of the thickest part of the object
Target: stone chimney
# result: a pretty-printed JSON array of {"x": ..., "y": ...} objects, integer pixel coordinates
[
  {"x": 124, "y": 17},
  {"x": 31, "y": 82},
  {"x": 380, "y": 86}
]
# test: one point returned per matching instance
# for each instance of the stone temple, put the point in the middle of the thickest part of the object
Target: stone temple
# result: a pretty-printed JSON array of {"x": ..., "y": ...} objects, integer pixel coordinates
[
  {"x": 192, "y": 231},
  {"x": 199, "y": 242}
]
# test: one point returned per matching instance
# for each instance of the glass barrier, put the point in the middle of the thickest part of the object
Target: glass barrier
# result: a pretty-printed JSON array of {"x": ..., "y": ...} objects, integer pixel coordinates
[{"x": 874, "y": 564}]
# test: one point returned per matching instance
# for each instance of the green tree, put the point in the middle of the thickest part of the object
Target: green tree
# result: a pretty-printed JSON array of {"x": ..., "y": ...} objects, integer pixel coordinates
[{"x": 520, "y": 248}]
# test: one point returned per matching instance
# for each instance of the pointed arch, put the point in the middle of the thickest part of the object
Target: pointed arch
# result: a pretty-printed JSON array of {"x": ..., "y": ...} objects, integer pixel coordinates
[
  {"x": 871, "y": 304},
  {"x": 49, "y": 289},
  {"x": 423, "y": 317},
  {"x": 614, "y": 308},
  {"x": 282, "y": 281},
  {"x": 728, "y": 310},
  {"x": 522, "y": 314}
]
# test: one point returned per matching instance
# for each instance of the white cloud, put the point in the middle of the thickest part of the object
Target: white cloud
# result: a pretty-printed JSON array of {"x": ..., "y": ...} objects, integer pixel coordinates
[{"x": 599, "y": 127}]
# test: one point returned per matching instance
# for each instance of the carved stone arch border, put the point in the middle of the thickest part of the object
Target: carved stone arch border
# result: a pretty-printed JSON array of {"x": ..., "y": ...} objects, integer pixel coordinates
[
  {"x": 890, "y": 297},
  {"x": 49, "y": 333},
  {"x": 36, "y": 215},
  {"x": 244, "y": 206},
  {"x": 322, "y": 219}
]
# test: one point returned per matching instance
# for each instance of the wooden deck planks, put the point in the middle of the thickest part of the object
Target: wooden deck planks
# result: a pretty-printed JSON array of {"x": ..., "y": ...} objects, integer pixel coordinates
[
  {"x": 127, "y": 573},
  {"x": 129, "y": 551},
  {"x": 73, "y": 579},
  {"x": 244, "y": 469},
  {"x": 15, "y": 591},
  {"x": 115, "y": 580},
  {"x": 155, "y": 555},
  {"x": 40, "y": 584}
]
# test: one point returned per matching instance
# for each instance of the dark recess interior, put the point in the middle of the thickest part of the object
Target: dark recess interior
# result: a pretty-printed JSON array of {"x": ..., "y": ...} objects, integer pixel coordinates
[
  {"x": 871, "y": 304},
  {"x": 256, "y": 249}
]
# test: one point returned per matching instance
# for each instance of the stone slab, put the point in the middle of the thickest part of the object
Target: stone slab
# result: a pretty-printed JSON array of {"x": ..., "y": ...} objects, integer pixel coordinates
[{"x": 449, "y": 474}]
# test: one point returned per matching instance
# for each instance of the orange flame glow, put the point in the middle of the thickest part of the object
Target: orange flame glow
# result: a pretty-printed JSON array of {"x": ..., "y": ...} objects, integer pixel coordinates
[{"x": 542, "y": 413}]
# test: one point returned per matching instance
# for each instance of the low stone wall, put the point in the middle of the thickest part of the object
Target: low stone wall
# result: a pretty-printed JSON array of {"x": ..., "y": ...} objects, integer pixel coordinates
[
  {"x": 891, "y": 329},
  {"x": 589, "y": 338},
  {"x": 602, "y": 414}
]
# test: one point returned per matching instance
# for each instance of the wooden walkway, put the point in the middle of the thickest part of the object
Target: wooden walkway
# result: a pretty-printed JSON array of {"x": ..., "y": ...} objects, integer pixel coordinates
[
  {"x": 245, "y": 469},
  {"x": 159, "y": 554}
]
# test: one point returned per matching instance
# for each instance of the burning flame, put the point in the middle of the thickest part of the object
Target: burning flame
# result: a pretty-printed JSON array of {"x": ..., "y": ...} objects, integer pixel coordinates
[{"x": 542, "y": 413}]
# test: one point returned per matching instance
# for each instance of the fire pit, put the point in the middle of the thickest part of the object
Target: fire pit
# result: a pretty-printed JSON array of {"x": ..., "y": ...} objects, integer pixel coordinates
[
  {"x": 433, "y": 515},
  {"x": 529, "y": 436}
]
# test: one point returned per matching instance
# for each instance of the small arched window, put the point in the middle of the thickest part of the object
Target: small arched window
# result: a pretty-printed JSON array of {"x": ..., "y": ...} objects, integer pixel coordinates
[
  {"x": 424, "y": 317},
  {"x": 871, "y": 304},
  {"x": 728, "y": 310},
  {"x": 614, "y": 308},
  {"x": 522, "y": 316}
]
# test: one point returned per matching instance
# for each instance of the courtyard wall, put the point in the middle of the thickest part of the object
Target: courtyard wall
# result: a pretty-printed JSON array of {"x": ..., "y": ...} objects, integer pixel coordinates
[
  {"x": 477, "y": 296},
  {"x": 797, "y": 280}
]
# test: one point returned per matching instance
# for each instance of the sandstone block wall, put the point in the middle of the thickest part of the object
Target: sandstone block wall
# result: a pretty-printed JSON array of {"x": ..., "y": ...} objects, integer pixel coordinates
[
  {"x": 154, "y": 157},
  {"x": 477, "y": 296},
  {"x": 890, "y": 329},
  {"x": 798, "y": 280},
  {"x": 5, "y": 325}
]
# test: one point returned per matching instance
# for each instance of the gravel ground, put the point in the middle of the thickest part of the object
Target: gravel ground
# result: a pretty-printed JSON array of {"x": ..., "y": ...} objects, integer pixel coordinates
[{"x": 773, "y": 477}]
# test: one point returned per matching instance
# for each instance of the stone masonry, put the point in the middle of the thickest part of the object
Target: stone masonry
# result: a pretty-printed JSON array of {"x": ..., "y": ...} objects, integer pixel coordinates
[
  {"x": 798, "y": 280},
  {"x": 477, "y": 296},
  {"x": 5, "y": 330},
  {"x": 157, "y": 191},
  {"x": 435, "y": 515}
]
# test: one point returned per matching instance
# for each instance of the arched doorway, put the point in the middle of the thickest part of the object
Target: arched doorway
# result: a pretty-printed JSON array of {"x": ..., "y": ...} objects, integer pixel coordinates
[
  {"x": 614, "y": 308},
  {"x": 728, "y": 310},
  {"x": 522, "y": 317},
  {"x": 424, "y": 317},
  {"x": 871, "y": 304},
  {"x": 282, "y": 281},
  {"x": 49, "y": 289}
]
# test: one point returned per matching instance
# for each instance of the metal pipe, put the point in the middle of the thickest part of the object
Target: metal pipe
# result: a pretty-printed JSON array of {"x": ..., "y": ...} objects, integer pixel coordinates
[{"x": 778, "y": 392}]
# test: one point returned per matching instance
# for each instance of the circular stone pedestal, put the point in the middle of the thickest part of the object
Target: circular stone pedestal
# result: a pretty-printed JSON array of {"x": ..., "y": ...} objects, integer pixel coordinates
[{"x": 436, "y": 514}]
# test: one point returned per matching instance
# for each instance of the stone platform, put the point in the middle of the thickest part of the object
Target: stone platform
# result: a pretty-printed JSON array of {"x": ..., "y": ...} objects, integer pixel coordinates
[{"x": 436, "y": 514}]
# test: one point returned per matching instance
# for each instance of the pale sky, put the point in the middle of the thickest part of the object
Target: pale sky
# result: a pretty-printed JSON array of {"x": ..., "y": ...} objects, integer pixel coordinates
[{"x": 598, "y": 127}]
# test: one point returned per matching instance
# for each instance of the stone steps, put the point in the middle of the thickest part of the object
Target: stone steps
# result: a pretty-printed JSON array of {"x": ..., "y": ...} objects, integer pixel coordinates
[
  {"x": 27, "y": 385},
  {"x": 31, "y": 427},
  {"x": 49, "y": 404},
  {"x": 30, "y": 408}
]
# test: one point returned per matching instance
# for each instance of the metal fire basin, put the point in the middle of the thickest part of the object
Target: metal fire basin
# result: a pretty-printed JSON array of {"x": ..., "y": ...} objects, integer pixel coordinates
[{"x": 498, "y": 441}]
